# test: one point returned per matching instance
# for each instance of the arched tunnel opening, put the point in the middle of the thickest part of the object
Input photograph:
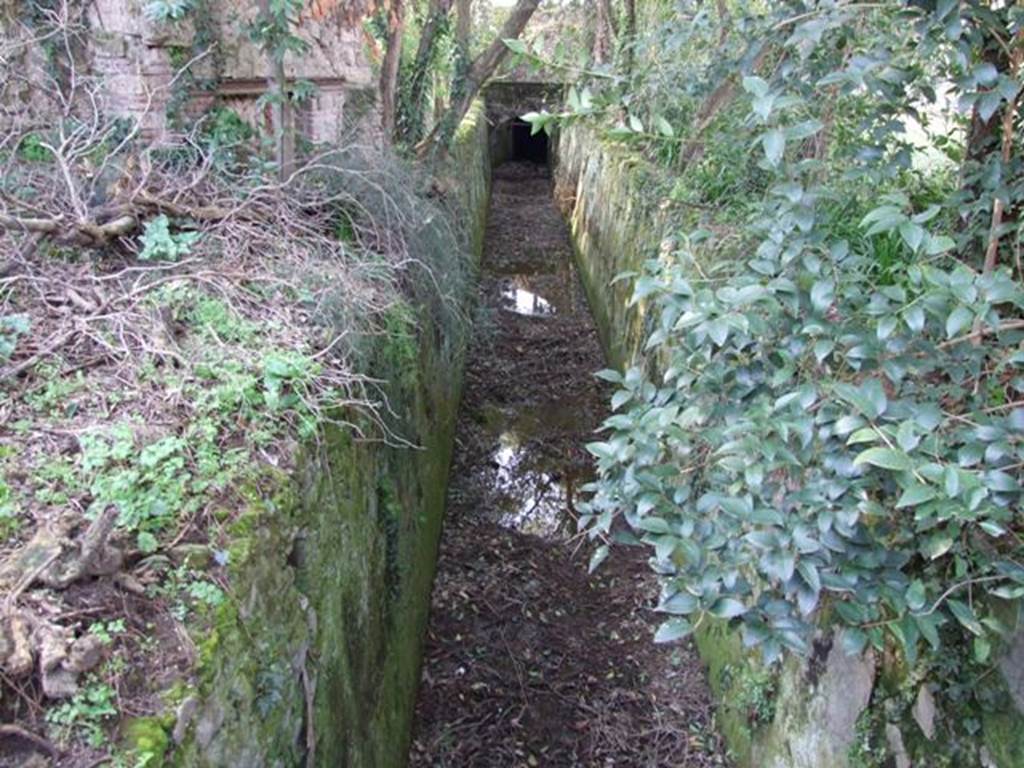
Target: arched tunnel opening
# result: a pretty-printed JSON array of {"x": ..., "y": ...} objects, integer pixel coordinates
[{"x": 514, "y": 140}]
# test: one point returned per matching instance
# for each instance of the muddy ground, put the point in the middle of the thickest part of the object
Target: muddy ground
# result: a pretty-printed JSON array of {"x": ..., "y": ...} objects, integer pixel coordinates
[{"x": 529, "y": 661}]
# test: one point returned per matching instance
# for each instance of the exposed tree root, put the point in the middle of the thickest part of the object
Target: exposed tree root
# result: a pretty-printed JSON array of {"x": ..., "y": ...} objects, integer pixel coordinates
[{"x": 30, "y": 640}]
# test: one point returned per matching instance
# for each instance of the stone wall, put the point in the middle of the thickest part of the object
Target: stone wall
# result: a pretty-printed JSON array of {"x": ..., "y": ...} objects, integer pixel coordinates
[
  {"x": 606, "y": 196},
  {"x": 815, "y": 712},
  {"x": 138, "y": 59},
  {"x": 21, "y": 106}
]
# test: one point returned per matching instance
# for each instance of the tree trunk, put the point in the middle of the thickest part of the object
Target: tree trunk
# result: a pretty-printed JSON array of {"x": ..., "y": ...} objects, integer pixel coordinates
[
  {"x": 603, "y": 32},
  {"x": 717, "y": 100},
  {"x": 389, "y": 69},
  {"x": 285, "y": 129},
  {"x": 999, "y": 214},
  {"x": 463, "y": 25},
  {"x": 724, "y": 21},
  {"x": 281, "y": 123},
  {"x": 479, "y": 71},
  {"x": 629, "y": 42},
  {"x": 463, "y": 51},
  {"x": 986, "y": 138},
  {"x": 413, "y": 121}
]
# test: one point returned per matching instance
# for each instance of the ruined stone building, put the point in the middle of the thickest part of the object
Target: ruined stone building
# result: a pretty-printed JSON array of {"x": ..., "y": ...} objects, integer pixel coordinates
[{"x": 139, "y": 64}]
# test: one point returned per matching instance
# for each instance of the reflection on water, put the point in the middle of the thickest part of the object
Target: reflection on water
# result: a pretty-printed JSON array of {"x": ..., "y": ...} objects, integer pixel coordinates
[
  {"x": 526, "y": 302},
  {"x": 533, "y": 500}
]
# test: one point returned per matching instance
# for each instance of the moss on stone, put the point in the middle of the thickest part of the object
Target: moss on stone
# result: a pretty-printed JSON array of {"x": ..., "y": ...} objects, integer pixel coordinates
[
  {"x": 146, "y": 740},
  {"x": 1004, "y": 738},
  {"x": 722, "y": 650},
  {"x": 617, "y": 225}
]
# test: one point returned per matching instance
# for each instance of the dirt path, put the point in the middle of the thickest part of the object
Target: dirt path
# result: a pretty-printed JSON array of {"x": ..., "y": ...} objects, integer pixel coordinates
[{"x": 530, "y": 662}]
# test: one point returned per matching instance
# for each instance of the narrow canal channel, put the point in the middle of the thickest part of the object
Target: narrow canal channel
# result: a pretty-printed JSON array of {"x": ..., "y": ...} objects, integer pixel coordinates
[{"x": 528, "y": 660}]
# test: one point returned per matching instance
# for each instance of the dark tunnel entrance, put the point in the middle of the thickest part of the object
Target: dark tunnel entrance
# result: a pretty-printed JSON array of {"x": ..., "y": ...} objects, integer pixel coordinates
[
  {"x": 511, "y": 140},
  {"x": 532, "y": 148}
]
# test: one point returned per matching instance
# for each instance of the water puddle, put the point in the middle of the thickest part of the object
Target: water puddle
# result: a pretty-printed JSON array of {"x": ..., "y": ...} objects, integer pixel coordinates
[
  {"x": 524, "y": 302},
  {"x": 534, "y": 501},
  {"x": 540, "y": 294},
  {"x": 533, "y": 472}
]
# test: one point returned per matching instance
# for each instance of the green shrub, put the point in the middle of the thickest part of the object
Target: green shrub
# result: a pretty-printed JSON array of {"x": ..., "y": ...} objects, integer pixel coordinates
[{"x": 835, "y": 430}]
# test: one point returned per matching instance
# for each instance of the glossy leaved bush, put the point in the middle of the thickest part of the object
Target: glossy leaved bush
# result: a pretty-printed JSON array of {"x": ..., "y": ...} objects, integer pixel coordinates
[
  {"x": 828, "y": 426},
  {"x": 816, "y": 442}
]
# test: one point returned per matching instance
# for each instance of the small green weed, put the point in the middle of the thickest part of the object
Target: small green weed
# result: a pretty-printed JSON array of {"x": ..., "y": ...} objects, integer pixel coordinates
[
  {"x": 214, "y": 316},
  {"x": 345, "y": 231},
  {"x": 168, "y": 10},
  {"x": 85, "y": 715},
  {"x": 287, "y": 381},
  {"x": 400, "y": 351},
  {"x": 108, "y": 631},
  {"x": 751, "y": 691},
  {"x": 56, "y": 481},
  {"x": 228, "y": 129},
  {"x": 12, "y": 328},
  {"x": 149, "y": 490},
  {"x": 187, "y": 590},
  {"x": 32, "y": 150},
  {"x": 206, "y": 593},
  {"x": 867, "y": 750},
  {"x": 53, "y": 397},
  {"x": 160, "y": 244},
  {"x": 10, "y": 522}
]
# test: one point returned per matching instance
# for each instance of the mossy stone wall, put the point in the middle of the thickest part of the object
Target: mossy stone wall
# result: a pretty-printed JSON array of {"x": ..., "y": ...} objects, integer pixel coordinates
[
  {"x": 610, "y": 201},
  {"x": 316, "y": 659}
]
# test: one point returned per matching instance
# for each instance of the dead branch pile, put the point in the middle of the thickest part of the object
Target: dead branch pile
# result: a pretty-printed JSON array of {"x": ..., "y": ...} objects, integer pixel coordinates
[{"x": 78, "y": 181}]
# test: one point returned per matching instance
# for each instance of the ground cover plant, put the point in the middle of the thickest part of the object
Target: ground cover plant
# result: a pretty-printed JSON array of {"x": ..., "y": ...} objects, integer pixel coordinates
[{"x": 827, "y": 428}]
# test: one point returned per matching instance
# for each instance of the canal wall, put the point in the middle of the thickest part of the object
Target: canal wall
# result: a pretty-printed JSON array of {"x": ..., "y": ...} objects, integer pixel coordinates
[{"x": 316, "y": 658}]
